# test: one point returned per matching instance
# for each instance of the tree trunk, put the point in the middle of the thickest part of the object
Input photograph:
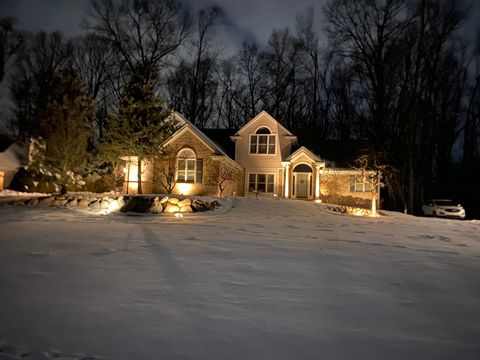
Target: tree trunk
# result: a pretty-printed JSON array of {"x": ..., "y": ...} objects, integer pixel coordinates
[
  {"x": 139, "y": 176},
  {"x": 411, "y": 183},
  {"x": 374, "y": 203}
]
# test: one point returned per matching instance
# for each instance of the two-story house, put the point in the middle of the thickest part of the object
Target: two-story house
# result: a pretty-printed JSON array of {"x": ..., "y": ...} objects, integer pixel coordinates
[{"x": 266, "y": 159}]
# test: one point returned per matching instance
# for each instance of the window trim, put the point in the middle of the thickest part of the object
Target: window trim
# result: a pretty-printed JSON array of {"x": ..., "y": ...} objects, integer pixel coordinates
[
  {"x": 263, "y": 131},
  {"x": 267, "y": 144},
  {"x": 267, "y": 174},
  {"x": 360, "y": 186},
  {"x": 185, "y": 170}
]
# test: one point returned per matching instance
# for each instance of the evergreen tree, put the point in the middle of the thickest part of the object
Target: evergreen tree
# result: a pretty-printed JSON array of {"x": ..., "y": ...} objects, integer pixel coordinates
[
  {"x": 140, "y": 125},
  {"x": 67, "y": 128}
]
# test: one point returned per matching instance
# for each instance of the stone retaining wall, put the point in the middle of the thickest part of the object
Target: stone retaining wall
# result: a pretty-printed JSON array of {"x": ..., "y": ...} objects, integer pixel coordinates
[{"x": 138, "y": 204}]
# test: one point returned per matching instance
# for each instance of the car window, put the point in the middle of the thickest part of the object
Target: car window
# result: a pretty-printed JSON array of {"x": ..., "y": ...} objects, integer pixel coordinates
[{"x": 444, "y": 203}]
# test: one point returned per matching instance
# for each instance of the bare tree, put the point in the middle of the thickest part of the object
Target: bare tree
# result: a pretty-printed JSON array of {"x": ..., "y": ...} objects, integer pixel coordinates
[
  {"x": 229, "y": 106},
  {"x": 167, "y": 170},
  {"x": 222, "y": 175},
  {"x": 368, "y": 33},
  {"x": 376, "y": 172},
  {"x": 193, "y": 84},
  {"x": 11, "y": 42},
  {"x": 143, "y": 32},
  {"x": 250, "y": 66},
  {"x": 32, "y": 80}
]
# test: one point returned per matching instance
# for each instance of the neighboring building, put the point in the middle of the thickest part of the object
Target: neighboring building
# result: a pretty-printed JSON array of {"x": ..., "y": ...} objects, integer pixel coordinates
[
  {"x": 267, "y": 159},
  {"x": 12, "y": 157}
]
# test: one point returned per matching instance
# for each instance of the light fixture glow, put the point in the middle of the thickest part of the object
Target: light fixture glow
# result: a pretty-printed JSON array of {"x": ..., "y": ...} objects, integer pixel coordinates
[{"x": 185, "y": 188}]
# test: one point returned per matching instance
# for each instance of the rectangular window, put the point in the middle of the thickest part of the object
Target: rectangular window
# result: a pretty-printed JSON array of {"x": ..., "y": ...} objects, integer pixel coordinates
[
  {"x": 253, "y": 144},
  {"x": 271, "y": 144},
  {"x": 252, "y": 182},
  {"x": 262, "y": 144},
  {"x": 360, "y": 183},
  {"x": 181, "y": 171},
  {"x": 263, "y": 183},
  {"x": 186, "y": 170},
  {"x": 190, "y": 171}
]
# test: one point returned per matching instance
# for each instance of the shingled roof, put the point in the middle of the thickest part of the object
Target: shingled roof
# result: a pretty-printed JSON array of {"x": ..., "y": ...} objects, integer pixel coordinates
[
  {"x": 222, "y": 138},
  {"x": 5, "y": 141},
  {"x": 341, "y": 153}
]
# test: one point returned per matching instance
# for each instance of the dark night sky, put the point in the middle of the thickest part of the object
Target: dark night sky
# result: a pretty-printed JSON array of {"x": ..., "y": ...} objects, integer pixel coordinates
[{"x": 247, "y": 19}]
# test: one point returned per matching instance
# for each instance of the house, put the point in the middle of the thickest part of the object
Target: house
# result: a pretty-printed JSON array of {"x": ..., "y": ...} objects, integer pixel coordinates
[
  {"x": 266, "y": 158},
  {"x": 12, "y": 157},
  {"x": 190, "y": 165}
]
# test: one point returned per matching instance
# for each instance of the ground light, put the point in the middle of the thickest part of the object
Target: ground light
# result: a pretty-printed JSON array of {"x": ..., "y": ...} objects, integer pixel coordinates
[{"x": 185, "y": 188}]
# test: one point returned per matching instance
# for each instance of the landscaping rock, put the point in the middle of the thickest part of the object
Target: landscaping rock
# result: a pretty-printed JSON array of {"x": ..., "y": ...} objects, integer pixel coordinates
[
  {"x": 186, "y": 209},
  {"x": 184, "y": 202},
  {"x": 198, "y": 205},
  {"x": 72, "y": 203},
  {"x": 104, "y": 204},
  {"x": 171, "y": 208},
  {"x": 94, "y": 205},
  {"x": 114, "y": 205},
  {"x": 45, "y": 202},
  {"x": 157, "y": 206},
  {"x": 32, "y": 202},
  {"x": 59, "y": 202},
  {"x": 164, "y": 200},
  {"x": 173, "y": 200},
  {"x": 83, "y": 203}
]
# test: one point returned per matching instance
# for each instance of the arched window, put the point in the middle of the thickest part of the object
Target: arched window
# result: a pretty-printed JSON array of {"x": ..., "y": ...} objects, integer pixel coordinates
[
  {"x": 262, "y": 142},
  {"x": 186, "y": 166},
  {"x": 263, "y": 130},
  {"x": 303, "y": 168}
]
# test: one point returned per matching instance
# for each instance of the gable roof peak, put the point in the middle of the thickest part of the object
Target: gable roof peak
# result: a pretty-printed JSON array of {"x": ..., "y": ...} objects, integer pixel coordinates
[
  {"x": 260, "y": 115},
  {"x": 307, "y": 152},
  {"x": 185, "y": 124}
]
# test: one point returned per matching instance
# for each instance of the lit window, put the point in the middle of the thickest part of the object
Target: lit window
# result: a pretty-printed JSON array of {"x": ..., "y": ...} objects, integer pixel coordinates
[
  {"x": 263, "y": 183},
  {"x": 360, "y": 183},
  {"x": 262, "y": 142},
  {"x": 186, "y": 166}
]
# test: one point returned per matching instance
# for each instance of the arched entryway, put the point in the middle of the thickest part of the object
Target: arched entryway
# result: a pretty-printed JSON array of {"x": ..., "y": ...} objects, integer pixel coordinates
[{"x": 302, "y": 181}]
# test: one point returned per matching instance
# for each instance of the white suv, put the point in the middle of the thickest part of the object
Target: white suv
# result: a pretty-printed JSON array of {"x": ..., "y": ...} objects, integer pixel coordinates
[{"x": 443, "y": 208}]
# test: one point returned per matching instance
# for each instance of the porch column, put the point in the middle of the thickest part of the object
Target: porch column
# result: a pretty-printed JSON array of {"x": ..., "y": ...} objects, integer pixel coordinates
[
  {"x": 317, "y": 181},
  {"x": 286, "y": 167}
]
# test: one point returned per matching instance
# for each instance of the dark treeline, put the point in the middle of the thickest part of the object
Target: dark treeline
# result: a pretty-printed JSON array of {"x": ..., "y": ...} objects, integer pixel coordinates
[{"x": 396, "y": 73}]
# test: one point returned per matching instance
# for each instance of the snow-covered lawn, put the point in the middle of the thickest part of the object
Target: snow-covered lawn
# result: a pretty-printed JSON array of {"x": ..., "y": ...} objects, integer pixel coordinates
[{"x": 256, "y": 279}]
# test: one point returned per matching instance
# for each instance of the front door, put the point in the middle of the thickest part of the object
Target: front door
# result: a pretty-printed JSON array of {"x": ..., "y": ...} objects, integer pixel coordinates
[{"x": 302, "y": 185}]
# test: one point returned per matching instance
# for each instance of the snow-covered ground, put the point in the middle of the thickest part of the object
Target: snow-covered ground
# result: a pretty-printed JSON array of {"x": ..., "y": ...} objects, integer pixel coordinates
[{"x": 256, "y": 279}]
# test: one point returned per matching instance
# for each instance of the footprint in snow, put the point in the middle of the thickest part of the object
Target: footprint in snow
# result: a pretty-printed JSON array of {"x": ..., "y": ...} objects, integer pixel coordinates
[
  {"x": 9, "y": 351},
  {"x": 102, "y": 252},
  {"x": 40, "y": 254}
]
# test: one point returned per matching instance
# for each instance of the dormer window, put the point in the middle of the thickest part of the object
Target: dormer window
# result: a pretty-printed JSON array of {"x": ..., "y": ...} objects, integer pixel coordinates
[{"x": 262, "y": 142}]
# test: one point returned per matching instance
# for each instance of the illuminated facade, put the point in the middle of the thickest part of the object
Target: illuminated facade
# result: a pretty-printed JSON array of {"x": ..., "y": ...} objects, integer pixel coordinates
[{"x": 265, "y": 156}]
